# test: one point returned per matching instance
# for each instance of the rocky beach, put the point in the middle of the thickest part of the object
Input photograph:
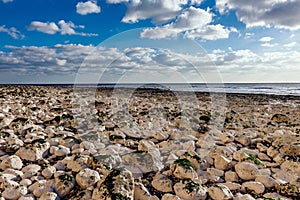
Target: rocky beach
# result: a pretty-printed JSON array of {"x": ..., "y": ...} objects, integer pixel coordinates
[{"x": 147, "y": 147}]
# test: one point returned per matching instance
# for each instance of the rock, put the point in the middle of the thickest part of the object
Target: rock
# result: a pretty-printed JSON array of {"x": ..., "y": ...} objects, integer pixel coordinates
[
  {"x": 41, "y": 188},
  {"x": 119, "y": 184},
  {"x": 241, "y": 154},
  {"x": 49, "y": 196},
  {"x": 246, "y": 170},
  {"x": 162, "y": 183},
  {"x": 243, "y": 139},
  {"x": 12, "y": 193},
  {"x": 142, "y": 193},
  {"x": 190, "y": 190},
  {"x": 170, "y": 197},
  {"x": 233, "y": 186},
  {"x": 34, "y": 151},
  {"x": 82, "y": 195},
  {"x": 87, "y": 177},
  {"x": 284, "y": 176},
  {"x": 63, "y": 184},
  {"x": 219, "y": 191},
  {"x": 289, "y": 144},
  {"x": 48, "y": 172},
  {"x": 13, "y": 162},
  {"x": 288, "y": 189},
  {"x": 275, "y": 195},
  {"x": 243, "y": 197},
  {"x": 78, "y": 162},
  {"x": 215, "y": 172},
  {"x": 257, "y": 187},
  {"x": 25, "y": 182},
  {"x": 27, "y": 197},
  {"x": 221, "y": 162},
  {"x": 231, "y": 176},
  {"x": 280, "y": 118},
  {"x": 291, "y": 166},
  {"x": 266, "y": 180},
  {"x": 183, "y": 169},
  {"x": 31, "y": 170},
  {"x": 60, "y": 150}
]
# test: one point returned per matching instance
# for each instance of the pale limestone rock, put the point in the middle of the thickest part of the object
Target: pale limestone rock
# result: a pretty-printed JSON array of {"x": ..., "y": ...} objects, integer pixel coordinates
[
  {"x": 142, "y": 193},
  {"x": 231, "y": 176},
  {"x": 13, "y": 172},
  {"x": 190, "y": 190},
  {"x": 243, "y": 197},
  {"x": 215, "y": 172},
  {"x": 87, "y": 177},
  {"x": 233, "y": 186},
  {"x": 33, "y": 152},
  {"x": 26, "y": 182},
  {"x": 291, "y": 166},
  {"x": 27, "y": 197},
  {"x": 241, "y": 154},
  {"x": 257, "y": 187},
  {"x": 246, "y": 170},
  {"x": 49, "y": 196},
  {"x": 183, "y": 172},
  {"x": 30, "y": 170},
  {"x": 48, "y": 172},
  {"x": 219, "y": 191},
  {"x": 87, "y": 145},
  {"x": 276, "y": 196},
  {"x": 162, "y": 183},
  {"x": 189, "y": 146},
  {"x": 266, "y": 180},
  {"x": 170, "y": 197},
  {"x": 13, "y": 162},
  {"x": 12, "y": 193},
  {"x": 60, "y": 150},
  {"x": 221, "y": 162},
  {"x": 78, "y": 163},
  {"x": 121, "y": 184}
]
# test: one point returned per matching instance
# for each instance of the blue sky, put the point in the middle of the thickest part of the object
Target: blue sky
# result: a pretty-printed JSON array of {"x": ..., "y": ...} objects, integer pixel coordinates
[{"x": 51, "y": 41}]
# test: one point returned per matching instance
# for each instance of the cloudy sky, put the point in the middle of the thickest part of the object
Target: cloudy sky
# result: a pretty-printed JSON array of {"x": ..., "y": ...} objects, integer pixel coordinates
[{"x": 52, "y": 41}]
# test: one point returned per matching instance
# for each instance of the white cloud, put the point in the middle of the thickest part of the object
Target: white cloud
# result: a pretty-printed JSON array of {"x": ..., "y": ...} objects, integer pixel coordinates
[
  {"x": 266, "y": 39},
  {"x": 88, "y": 7},
  {"x": 158, "y": 11},
  {"x": 277, "y": 13},
  {"x": 267, "y": 44},
  {"x": 12, "y": 31},
  {"x": 193, "y": 23},
  {"x": 7, "y": 1},
  {"x": 249, "y": 35},
  {"x": 62, "y": 27},
  {"x": 44, "y": 27},
  {"x": 291, "y": 44}
]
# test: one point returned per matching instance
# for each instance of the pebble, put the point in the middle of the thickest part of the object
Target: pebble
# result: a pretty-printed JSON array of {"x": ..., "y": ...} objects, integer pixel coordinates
[
  {"x": 255, "y": 186},
  {"x": 219, "y": 191},
  {"x": 246, "y": 170},
  {"x": 87, "y": 177}
]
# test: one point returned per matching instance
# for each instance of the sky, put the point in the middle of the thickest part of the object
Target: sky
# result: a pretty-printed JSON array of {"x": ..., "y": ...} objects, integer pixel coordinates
[{"x": 108, "y": 41}]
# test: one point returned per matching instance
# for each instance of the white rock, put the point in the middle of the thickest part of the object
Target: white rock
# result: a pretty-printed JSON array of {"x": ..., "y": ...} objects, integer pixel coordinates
[
  {"x": 46, "y": 187},
  {"x": 246, "y": 170},
  {"x": 61, "y": 150},
  {"x": 13, "y": 172},
  {"x": 219, "y": 191},
  {"x": 189, "y": 146},
  {"x": 190, "y": 190},
  {"x": 162, "y": 183},
  {"x": 87, "y": 145},
  {"x": 257, "y": 187},
  {"x": 87, "y": 177},
  {"x": 48, "y": 172},
  {"x": 13, "y": 162},
  {"x": 27, "y": 197},
  {"x": 49, "y": 196},
  {"x": 26, "y": 182}
]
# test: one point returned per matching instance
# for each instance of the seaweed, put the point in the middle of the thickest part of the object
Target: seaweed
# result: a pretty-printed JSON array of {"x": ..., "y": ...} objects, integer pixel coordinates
[
  {"x": 255, "y": 160},
  {"x": 185, "y": 163}
]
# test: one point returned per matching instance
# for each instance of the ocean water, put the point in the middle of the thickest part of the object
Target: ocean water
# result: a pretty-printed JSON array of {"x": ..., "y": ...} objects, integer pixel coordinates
[{"x": 241, "y": 88}]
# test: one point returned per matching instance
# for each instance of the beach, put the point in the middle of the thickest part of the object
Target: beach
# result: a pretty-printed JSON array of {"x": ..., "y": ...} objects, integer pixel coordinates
[{"x": 147, "y": 144}]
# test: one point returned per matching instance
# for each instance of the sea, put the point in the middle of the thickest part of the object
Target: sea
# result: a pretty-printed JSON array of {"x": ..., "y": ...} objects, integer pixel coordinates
[{"x": 292, "y": 89}]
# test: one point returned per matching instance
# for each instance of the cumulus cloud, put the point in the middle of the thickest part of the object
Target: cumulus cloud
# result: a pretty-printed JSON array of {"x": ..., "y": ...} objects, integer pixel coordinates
[
  {"x": 158, "y": 11},
  {"x": 7, "y": 1},
  {"x": 277, "y": 13},
  {"x": 193, "y": 23},
  {"x": 12, "y": 31},
  {"x": 62, "y": 27},
  {"x": 291, "y": 44},
  {"x": 88, "y": 7},
  {"x": 67, "y": 59}
]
